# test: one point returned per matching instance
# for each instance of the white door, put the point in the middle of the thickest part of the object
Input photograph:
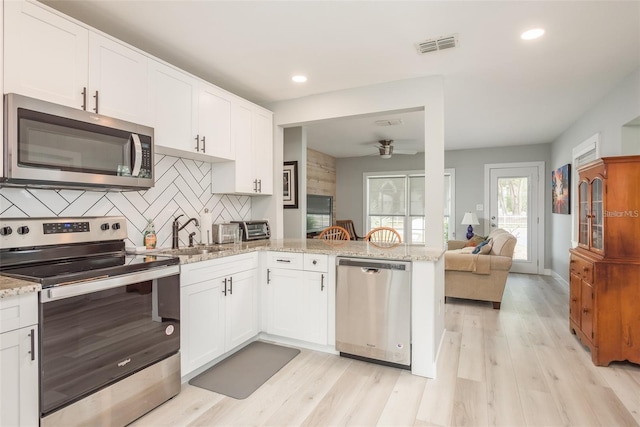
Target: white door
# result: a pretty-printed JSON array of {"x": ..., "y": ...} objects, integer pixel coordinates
[
  {"x": 516, "y": 204},
  {"x": 285, "y": 310},
  {"x": 314, "y": 302},
  {"x": 241, "y": 307},
  {"x": 117, "y": 80},
  {"x": 45, "y": 55},
  {"x": 214, "y": 123},
  {"x": 242, "y": 133},
  {"x": 263, "y": 151},
  {"x": 173, "y": 107}
]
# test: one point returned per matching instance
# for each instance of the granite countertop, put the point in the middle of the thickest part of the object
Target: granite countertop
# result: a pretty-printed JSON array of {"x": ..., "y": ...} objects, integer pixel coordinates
[
  {"x": 10, "y": 286},
  {"x": 340, "y": 248}
]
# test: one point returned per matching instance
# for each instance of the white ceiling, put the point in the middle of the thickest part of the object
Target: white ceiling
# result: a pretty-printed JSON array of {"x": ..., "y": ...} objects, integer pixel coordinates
[{"x": 499, "y": 90}]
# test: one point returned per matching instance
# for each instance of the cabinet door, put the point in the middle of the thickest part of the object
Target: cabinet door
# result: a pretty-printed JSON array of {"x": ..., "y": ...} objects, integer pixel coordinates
[
  {"x": 314, "y": 306},
  {"x": 243, "y": 134},
  {"x": 19, "y": 374},
  {"x": 575, "y": 310},
  {"x": 583, "y": 214},
  {"x": 285, "y": 294},
  {"x": 214, "y": 123},
  {"x": 117, "y": 80},
  {"x": 597, "y": 212},
  {"x": 263, "y": 151},
  {"x": 241, "y": 307},
  {"x": 45, "y": 55},
  {"x": 202, "y": 323},
  {"x": 173, "y": 108},
  {"x": 586, "y": 318}
]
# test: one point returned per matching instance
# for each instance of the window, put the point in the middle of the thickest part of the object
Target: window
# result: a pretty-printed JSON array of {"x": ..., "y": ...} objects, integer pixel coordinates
[
  {"x": 319, "y": 212},
  {"x": 584, "y": 153},
  {"x": 396, "y": 199}
]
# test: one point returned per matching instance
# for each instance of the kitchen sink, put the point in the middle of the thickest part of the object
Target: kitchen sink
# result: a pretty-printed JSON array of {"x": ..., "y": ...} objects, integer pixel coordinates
[{"x": 197, "y": 251}]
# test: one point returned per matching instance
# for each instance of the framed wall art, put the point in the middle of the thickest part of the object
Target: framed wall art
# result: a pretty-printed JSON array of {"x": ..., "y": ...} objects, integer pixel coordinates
[
  {"x": 561, "y": 190},
  {"x": 290, "y": 185}
]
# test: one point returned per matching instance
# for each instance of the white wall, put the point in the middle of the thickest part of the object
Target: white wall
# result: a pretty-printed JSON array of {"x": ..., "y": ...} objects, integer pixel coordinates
[
  {"x": 414, "y": 94},
  {"x": 607, "y": 117},
  {"x": 295, "y": 149}
]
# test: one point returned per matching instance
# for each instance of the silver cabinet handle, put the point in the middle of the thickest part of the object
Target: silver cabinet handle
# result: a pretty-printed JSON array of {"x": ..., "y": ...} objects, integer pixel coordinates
[
  {"x": 255, "y": 185},
  {"x": 204, "y": 144},
  {"x": 33, "y": 344},
  {"x": 198, "y": 142},
  {"x": 96, "y": 97},
  {"x": 283, "y": 260},
  {"x": 268, "y": 276},
  {"x": 224, "y": 291},
  {"x": 259, "y": 186},
  {"x": 84, "y": 98},
  {"x": 231, "y": 285},
  {"x": 321, "y": 282}
]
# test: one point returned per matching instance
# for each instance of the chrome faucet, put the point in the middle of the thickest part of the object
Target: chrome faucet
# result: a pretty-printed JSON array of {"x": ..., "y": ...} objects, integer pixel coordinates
[{"x": 176, "y": 229}]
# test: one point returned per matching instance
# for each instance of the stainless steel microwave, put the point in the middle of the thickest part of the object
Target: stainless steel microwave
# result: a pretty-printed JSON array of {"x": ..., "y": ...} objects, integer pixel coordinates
[{"x": 53, "y": 146}]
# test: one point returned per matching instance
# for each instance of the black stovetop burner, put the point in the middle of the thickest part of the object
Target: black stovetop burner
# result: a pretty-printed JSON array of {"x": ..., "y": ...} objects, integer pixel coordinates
[{"x": 82, "y": 269}]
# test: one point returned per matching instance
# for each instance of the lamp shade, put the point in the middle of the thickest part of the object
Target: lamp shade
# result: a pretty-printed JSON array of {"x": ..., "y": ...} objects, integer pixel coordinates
[{"x": 470, "y": 218}]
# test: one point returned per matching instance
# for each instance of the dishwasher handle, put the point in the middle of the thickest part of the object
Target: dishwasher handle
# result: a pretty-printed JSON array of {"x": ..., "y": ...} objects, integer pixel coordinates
[{"x": 370, "y": 270}]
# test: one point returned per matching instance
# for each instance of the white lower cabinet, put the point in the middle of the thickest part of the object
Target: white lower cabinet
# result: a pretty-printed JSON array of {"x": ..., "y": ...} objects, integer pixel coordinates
[
  {"x": 297, "y": 298},
  {"x": 219, "y": 308},
  {"x": 19, "y": 361}
]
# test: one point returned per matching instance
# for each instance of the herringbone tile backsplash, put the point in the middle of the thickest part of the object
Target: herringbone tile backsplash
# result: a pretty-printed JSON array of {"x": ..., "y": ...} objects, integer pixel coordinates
[{"x": 182, "y": 186}]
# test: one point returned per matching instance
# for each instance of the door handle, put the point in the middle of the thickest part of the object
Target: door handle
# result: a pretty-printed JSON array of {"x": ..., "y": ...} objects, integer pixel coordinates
[
  {"x": 204, "y": 144},
  {"x": 198, "y": 142},
  {"x": 259, "y": 186},
  {"x": 84, "y": 98},
  {"x": 33, "y": 344},
  {"x": 225, "y": 287},
  {"x": 321, "y": 282},
  {"x": 230, "y": 285},
  {"x": 268, "y": 276},
  {"x": 137, "y": 154},
  {"x": 96, "y": 97}
]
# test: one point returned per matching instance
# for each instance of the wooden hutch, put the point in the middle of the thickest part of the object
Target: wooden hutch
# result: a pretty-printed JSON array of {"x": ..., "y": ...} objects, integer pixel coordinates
[{"x": 605, "y": 267}]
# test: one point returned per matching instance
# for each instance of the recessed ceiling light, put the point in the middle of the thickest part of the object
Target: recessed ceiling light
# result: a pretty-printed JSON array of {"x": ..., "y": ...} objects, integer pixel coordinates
[
  {"x": 299, "y": 79},
  {"x": 532, "y": 34}
]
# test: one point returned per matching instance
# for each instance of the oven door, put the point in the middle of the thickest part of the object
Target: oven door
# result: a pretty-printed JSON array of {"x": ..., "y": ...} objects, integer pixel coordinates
[
  {"x": 54, "y": 145},
  {"x": 96, "y": 333}
]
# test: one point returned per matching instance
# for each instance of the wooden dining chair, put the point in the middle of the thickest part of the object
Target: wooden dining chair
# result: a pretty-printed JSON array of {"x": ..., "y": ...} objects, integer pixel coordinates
[
  {"x": 334, "y": 232},
  {"x": 348, "y": 225},
  {"x": 384, "y": 237}
]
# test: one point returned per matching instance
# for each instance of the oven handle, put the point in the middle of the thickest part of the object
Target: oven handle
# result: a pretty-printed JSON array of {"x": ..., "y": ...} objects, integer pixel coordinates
[{"x": 68, "y": 291}]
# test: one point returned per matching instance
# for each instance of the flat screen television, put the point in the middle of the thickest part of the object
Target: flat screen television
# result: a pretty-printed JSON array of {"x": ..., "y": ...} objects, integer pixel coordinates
[{"x": 319, "y": 212}]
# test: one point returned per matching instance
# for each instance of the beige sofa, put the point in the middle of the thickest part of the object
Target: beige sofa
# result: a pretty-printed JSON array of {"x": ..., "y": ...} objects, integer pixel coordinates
[{"x": 479, "y": 277}]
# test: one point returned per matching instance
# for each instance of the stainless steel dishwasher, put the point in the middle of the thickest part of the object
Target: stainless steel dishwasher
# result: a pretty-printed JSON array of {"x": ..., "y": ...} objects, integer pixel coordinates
[{"x": 373, "y": 310}]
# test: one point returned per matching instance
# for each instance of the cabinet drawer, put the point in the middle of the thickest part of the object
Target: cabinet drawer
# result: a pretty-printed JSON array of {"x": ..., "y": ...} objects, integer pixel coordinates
[
  {"x": 315, "y": 262},
  {"x": 18, "y": 311},
  {"x": 206, "y": 270},
  {"x": 581, "y": 268},
  {"x": 287, "y": 260}
]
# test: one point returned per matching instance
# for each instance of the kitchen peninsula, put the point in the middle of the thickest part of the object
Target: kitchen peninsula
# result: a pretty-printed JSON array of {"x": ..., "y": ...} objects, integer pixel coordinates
[{"x": 250, "y": 266}]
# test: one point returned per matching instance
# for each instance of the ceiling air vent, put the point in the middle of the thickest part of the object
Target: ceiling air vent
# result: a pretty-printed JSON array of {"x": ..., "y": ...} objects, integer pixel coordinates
[
  {"x": 434, "y": 45},
  {"x": 388, "y": 122}
]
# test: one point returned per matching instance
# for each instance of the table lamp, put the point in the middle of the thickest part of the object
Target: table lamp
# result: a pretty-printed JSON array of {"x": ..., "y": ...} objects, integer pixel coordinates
[{"x": 469, "y": 219}]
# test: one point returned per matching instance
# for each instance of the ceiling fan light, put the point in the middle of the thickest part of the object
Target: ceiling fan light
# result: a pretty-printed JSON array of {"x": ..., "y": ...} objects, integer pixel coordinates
[{"x": 386, "y": 151}]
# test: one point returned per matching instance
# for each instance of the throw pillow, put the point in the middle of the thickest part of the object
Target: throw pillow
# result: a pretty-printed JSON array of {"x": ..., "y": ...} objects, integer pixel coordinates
[
  {"x": 475, "y": 240},
  {"x": 480, "y": 246},
  {"x": 485, "y": 249}
]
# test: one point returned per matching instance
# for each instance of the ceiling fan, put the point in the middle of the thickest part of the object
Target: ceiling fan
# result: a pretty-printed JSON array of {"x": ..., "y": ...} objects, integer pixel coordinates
[{"x": 386, "y": 149}]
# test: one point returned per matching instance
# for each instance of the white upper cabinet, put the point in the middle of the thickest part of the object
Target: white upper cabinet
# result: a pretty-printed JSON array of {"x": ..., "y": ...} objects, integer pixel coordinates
[
  {"x": 252, "y": 172},
  {"x": 173, "y": 109},
  {"x": 191, "y": 119},
  {"x": 214, "y": 122},
  {"x": 51, "y": 58},
  {"x": 117, "y": 80},
  {"x": 46, "y": 56}
]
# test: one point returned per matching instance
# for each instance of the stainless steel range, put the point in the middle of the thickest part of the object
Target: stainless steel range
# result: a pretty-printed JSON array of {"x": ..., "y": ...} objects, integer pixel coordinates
[{"x": 109, "y": 321}]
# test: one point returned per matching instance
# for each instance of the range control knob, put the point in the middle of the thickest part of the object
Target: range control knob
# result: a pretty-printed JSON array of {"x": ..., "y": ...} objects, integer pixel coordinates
[
  {"x": 5, "y": 231},
  {"x": 104, "y": 227},
  {"x": 23, "y": 230},
  {"x": 115, "y": 226}
]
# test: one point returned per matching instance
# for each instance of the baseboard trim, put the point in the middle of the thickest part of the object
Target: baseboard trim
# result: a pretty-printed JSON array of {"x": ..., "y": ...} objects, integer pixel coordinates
[{"x": 560, "y": 279}]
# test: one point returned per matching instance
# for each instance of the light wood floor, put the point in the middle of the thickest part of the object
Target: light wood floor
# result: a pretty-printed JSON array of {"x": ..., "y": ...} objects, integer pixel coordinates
[{"x": 516, "y": 366}]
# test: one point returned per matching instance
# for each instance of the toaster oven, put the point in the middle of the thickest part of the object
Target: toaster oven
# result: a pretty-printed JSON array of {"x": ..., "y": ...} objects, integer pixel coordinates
[
  {"x": 223, "y": 233},
  {"x": 254, "y": 230}
]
